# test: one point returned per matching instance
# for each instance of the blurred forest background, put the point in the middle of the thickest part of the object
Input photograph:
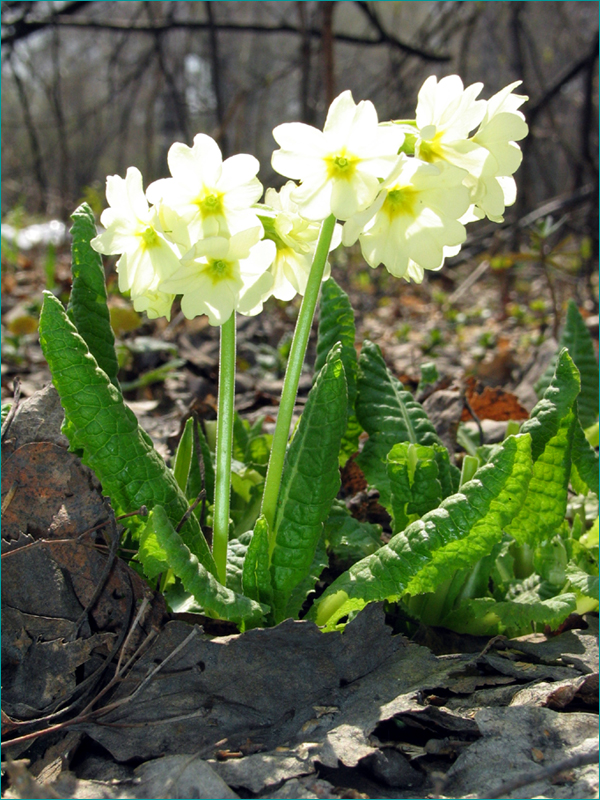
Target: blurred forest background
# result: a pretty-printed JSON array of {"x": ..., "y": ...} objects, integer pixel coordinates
[{"x": 91, "y": 88}]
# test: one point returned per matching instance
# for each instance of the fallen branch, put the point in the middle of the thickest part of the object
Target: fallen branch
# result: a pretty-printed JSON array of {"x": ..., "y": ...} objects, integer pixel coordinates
[{"x": 527, "y": 778}]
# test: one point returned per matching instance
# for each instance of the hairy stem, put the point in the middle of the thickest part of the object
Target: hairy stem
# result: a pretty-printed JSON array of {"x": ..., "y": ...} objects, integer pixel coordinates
[{"x": 224, "y": 446}]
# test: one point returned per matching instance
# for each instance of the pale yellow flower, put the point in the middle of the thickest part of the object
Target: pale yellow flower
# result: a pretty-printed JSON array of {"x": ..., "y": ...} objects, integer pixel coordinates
[
  {"x": 295, "y": 239},
  {"x": 221, "y": 275},
  {"x": 341, "y": 166},
  {"x": 134, "y": 230},
  {"x": 213, "y": 196},
  {"x": 414, "y": 223}
]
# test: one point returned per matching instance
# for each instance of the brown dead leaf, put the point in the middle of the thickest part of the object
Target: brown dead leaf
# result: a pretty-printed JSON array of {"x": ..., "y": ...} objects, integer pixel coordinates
[
  {"x": 491, "y": 403},
  {"x": 353, "y": 479},
  {"x": 53, "y": 495}
]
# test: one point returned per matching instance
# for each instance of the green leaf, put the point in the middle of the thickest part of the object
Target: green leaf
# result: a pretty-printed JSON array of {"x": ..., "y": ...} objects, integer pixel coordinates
[
  {"x": 463, "y": 529},
  {"x": 576, "y": 338},
  {"x": 336, "y": 324},
  {"x": 183, "y": 455},
  {"x": 413, "y": 475},
  {"x": 215, "y": 599},
  {"x": 483, "y": 616},
  {"x": 307, "y": 584},
  {"x": 551, "y": 426},
  {"x": 113, "y": 445},
  {"x": 429, "y": 377},
  {"x": 236, "y": 555},
  {"x": 87, "y": 306},
  {"x": 240, "y": 438},
  {"x": 256, "y": 575},
  {"x": 250, "y": 445},
  {"x": 246, "y": 496},
  {"x": 390, "y": 415},
  {"x": 585, "y": 459},
  {"x": 347, "y": 538},
  {"x": 350, "y": 439},
  {"x": 581, "y": 580},
  {"x": 200, "y": 451},
  {"x": 311, "y": 480}
]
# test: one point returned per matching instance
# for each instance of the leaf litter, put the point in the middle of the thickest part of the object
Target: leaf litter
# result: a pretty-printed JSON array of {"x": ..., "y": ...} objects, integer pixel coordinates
[
  {"x": 303, "y": 714},
  {"x": 281, "y": 712}
]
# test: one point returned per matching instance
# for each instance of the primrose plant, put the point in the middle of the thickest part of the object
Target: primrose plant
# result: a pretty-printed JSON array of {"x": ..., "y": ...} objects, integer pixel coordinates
[{"x": 404, "y": 190}]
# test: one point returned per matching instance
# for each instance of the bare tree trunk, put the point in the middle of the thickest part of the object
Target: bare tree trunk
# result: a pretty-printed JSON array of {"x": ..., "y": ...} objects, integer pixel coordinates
[
  {"x": 307, "y": 108},
  {"x": 327, "y": 8},
  {"x": 55, "y": 96},
  {"x": 179, "y": 104},
  {"x": 215, "y": 74},
  {"x": 36, "y": 150}
]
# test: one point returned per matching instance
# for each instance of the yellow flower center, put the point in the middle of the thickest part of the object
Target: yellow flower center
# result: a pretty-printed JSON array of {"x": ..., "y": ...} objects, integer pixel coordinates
[
  {"x": 400, "y": 201},
  {"x": 150, "y": 238},
  {"x": 430, "y": 149},
  {"x": 211, "y": 203},
  {"x": 341, "y": 166},
  {"x": 220, "y": 270}
]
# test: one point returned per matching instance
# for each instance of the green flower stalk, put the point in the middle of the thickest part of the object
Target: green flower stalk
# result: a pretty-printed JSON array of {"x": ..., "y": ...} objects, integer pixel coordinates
[{"x": 224, "y": 446}]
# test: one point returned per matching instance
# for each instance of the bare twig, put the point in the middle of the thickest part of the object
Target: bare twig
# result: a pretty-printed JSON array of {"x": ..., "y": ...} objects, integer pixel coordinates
[
  {"x": 527, "y": 778},
  {"x": 476, "y": 420},
  {"x": 225, "y": 27},
  {"x": 110, "y": 561},
  {"x": 13, "y": 409}
]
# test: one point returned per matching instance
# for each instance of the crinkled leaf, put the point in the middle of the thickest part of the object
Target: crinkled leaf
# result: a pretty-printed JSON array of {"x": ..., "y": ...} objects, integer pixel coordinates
[
  {"x": 307, "y": 584},
  {"x": 183, "y": 455},
  {"x": 350, "y": 439},
  {"x": 113, "y": 445},
  {"x": 463, "y": 529},
  {"x": 413, "y": 474},
  {"x": 347, "y": 538},
  {"x": 247, "y": 488},
  {"x": 390, "y": 415},
  {"x": 585, "y": 459},
  {"x": 483, "y": 616},
  {"x": 87, "y": 305},
  {"x": 201, "y": 453},
  {"x": 250, "y": 445},
  {"x": 576, "y": 338},
  {"x": 237, "y": 549},
  {"x": 311, "y": 480},
  {"x": 587, "y": 584},
  {"x": 256, "y": 575},
  {"x": 550, "y": 560},
  {"x": 551, "y": 427},
  {"x": 336, "y": 324},
  {"x": 213, "y": 597}
]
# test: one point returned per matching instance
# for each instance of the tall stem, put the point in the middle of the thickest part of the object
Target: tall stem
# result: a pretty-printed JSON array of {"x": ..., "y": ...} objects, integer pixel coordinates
[
  {"x": 224, "y": 446},
  {"x": 292, "y": 375}
]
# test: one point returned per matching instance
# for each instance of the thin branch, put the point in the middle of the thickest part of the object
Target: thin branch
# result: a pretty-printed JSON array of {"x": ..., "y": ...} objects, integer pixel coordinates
[
  {"x": 22, "y": 28},
  {"x": 527, "y": 778},
  {"x": 567, "y": 76},
  {"x": 315, "y": 33},
  {"x": 387, "y": 38}
]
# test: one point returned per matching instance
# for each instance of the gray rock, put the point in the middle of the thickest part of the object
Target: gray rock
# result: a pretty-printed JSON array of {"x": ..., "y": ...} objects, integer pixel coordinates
[
  {"x": 392, "y": 768},
  {"x": 185, "y": 777}
]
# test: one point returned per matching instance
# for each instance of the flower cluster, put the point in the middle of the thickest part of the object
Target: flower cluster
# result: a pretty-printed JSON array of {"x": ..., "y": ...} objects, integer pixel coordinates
[{"x": 404, "y": 190}]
